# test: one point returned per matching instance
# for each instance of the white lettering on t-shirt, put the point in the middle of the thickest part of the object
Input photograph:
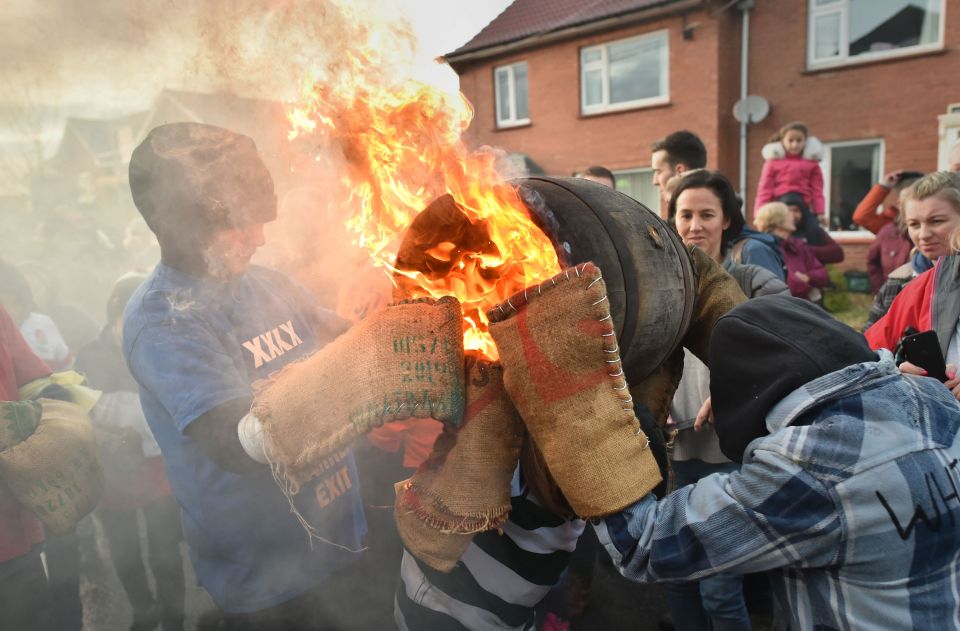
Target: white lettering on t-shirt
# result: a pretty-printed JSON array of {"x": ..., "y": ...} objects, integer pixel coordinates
[{"x": 272, "y": 344}]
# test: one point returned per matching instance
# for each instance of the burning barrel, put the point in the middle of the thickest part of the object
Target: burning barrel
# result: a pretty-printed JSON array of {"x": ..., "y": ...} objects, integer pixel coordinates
[{"x": 648, "y": 274}]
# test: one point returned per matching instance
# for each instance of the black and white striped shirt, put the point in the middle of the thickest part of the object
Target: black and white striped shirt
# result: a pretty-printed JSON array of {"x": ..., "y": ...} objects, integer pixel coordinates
[{"x": 498, "y": 581}]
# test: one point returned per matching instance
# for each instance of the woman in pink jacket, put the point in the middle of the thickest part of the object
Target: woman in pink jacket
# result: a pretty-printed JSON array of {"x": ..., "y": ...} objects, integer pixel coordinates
[{"x": 792, "y": 163}]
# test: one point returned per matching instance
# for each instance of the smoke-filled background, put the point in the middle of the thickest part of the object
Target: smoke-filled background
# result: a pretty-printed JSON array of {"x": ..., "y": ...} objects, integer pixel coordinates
[{"x": 83, "y": 82}]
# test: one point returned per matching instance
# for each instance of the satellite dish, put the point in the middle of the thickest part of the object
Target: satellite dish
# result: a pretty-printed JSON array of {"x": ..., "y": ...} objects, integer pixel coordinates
[{"x": 751, "y": 109}]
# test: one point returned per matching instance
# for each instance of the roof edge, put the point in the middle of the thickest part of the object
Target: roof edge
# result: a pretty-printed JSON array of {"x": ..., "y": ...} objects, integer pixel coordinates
[{"x": 538, "y": 39}]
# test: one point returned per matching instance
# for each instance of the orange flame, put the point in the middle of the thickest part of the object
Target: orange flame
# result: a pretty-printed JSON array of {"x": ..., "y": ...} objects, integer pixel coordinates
[{"x": 403, "y": 149}]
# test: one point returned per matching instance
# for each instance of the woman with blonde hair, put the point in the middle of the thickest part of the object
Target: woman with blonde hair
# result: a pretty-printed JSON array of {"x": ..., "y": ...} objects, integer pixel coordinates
[
  {"x": 806, "y": 275},
  {"x": 931, "y": 301}
]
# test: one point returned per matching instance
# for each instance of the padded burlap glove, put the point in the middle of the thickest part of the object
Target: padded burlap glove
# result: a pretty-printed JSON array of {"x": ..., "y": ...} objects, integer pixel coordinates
[
  {"x": 403, "y": 361},
  {"x": 54, "y": 471},
  {"x": 18, "y": 420},
  {"x": 561, "y": 367},
  {"x": 464, "y": 486}
]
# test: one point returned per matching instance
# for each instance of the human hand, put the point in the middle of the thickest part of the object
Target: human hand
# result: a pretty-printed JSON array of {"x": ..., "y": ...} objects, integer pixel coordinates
[
  {"x": 804, "y": 277},
  {"x": 890, "y": 180},
  {"x": 953, "y": 380},
  {"x": 912, "y": 369},
  {"x": 704, "y": 415}
]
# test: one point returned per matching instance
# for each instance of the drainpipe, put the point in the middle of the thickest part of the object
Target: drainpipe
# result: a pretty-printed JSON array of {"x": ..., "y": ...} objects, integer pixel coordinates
[{"x": 744, "y": 7}]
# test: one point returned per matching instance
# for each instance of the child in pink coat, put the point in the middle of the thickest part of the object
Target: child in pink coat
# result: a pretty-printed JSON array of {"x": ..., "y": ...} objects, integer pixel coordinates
[{"x": 792, "y": 163}]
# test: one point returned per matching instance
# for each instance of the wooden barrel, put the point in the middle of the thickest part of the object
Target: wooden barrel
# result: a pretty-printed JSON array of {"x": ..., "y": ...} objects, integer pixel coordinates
[{"x": 647, "y": 270}]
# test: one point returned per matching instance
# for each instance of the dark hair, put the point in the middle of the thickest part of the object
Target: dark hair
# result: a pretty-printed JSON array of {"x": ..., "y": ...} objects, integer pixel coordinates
[
  {"x": 599, "y": 171},
  {"x": 683, "y": 147},
  {"x": 907, "y": 178},
  {"x": 729, "y": 201}
]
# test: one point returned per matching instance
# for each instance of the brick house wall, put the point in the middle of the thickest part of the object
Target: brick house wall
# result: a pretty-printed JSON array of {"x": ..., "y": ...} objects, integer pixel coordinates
[
  {"x": 896, "y": 100},
  {"x": 562, "y": 140}
]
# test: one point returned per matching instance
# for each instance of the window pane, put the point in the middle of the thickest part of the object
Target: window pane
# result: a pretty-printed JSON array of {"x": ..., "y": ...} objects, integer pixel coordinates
[
  {"x": 821, "y": 3},
  {"x": 593, "y": 87},
  {"x": 588, "y": 55},
  {"x": 891, "y": 24},
  {"x": 634, "y": 69},
  {"x": 520, "y": 91},
  {"x": 826, "y": 36},
  {"x": 639, "y": 185},
  {"x": 853, "y": 170},
  {"x": 503, "y": 95}
]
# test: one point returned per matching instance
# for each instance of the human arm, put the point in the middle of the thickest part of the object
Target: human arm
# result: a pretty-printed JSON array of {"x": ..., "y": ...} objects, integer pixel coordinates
[
  {"x": 875, "y": 265},
  {"x": 827, "y": 252},
  {"x": 911, "y": 307},
  {"x": 770, "y": 514},
  {"x": 817, "y": 273},
  {"x": 763, "y": 255},
  {"x": 185, "y": 367},
  {"x": 816, "y": 189},
  {"x": 866, "y": 215},
  {"x": 766, "y": 185}
]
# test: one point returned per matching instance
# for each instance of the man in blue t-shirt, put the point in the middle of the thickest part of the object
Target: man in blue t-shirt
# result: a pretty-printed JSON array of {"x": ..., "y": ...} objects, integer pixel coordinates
[{"x": 202, "y": 329}]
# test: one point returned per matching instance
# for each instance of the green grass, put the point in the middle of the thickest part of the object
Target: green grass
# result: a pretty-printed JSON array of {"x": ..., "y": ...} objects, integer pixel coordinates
[{"x": 849, "y": 307}]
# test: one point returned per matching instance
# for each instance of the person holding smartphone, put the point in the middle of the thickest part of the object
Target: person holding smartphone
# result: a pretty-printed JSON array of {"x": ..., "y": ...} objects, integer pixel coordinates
[{"x": 931, "y": 301}]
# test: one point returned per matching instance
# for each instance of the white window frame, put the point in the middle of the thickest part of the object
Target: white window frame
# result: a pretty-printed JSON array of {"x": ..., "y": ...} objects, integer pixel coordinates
[
  {"x": 826, "y": 165},
  {"x": 511, "y": 120},
  {"x": 842, "y": 8},
  {"x": 602, "y": 65}
]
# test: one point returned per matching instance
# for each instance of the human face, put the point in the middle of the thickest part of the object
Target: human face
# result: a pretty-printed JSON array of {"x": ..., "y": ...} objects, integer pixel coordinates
[
  {"x": 662, "y": 170},
  {"x": 793, "y": 141},
  {"x": 930, "y": 223},
  {"x": 796, "y": 214},
  {"x": 231, "y": 249},
  {"x": 700, "y": 220},
  {"x": 787, "y": 229}
]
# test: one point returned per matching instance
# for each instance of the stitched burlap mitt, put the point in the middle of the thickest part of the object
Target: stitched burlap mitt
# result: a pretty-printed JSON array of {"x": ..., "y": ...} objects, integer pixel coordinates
[
  {"x": 464, "y": 486},
  {"x": 404, "y": 361},
  {"x": 53, "y": 471},
  {"x": 561, "y": 367}
]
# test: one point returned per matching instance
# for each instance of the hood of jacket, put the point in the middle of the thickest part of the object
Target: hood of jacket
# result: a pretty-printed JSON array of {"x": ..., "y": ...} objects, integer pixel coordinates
[
  {"x": 812, "y": 150},
  {"x": 764, "y": 349}
]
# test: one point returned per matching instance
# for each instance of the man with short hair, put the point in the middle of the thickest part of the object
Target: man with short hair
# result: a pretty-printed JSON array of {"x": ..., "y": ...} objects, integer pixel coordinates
[
  {"x": 600, "y": 175},
  {"x": 197, "y": 334},
  {"x": 679, "y": 152}
]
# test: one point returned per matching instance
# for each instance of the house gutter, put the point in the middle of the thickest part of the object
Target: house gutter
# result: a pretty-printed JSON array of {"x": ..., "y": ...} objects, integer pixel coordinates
[
  {"x": 744, "y": 7},
  {"x": 542, "y": 39}
]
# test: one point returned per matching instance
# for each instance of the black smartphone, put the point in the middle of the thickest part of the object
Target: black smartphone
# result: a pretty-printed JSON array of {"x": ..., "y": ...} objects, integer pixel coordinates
[{"x": 923, "y": 350}]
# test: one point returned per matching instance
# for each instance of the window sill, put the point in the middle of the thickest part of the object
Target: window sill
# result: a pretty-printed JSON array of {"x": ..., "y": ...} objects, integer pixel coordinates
[
  {"x": 626, "y": 109},
  {"x": 852, "y": 237},
  {"x": 510, "y": 126},
  {"x": 855, "y": 62}
]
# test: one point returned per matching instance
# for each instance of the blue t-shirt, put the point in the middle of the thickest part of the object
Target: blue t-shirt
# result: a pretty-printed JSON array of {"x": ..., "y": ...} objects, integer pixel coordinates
[{"x": 194, "y": 344}]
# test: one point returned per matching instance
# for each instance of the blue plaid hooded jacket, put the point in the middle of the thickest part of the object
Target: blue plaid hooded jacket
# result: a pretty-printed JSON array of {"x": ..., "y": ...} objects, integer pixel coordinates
[{"x": 852, "y": 502}]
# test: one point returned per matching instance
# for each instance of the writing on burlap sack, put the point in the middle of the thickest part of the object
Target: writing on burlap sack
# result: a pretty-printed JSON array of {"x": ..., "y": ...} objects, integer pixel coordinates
[{"x": 425, "y": 366}]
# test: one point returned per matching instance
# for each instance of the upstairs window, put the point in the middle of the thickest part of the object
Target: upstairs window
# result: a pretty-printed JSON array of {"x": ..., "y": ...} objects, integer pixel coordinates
[
  {"x": 850, "y": 31},
  {"x": 628, "y": 73},
  {"x": 510, "y": 87}
]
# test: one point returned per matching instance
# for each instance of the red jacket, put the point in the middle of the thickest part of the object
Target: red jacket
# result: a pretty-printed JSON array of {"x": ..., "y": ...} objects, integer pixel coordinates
[
  {"x": 20, "y": 530},
  {"x": 866, "y": 213},
  {"x": 792, "y": 173},
  {"x": 911, "y": 308},
  {"x": 889, "y": 250},
  {"x": 799, "y": 258}
]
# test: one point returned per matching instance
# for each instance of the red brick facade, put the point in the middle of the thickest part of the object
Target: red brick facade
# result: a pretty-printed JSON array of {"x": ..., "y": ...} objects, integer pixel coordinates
[{"x": 896, "y": 100}]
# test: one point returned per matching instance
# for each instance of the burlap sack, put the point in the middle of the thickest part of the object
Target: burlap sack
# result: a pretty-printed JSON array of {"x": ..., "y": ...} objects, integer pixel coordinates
[
  {"x": 18, "y": 420},
  {"x": 55, "y": 471},
  {"x": 464, "y": 486},
  {"x": 403, "y": 361},
  {"x": 561, "y": 366}
]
